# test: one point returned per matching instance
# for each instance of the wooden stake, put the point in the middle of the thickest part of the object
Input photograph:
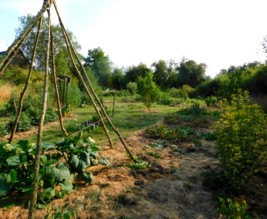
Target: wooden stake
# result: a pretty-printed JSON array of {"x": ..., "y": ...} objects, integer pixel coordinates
[
  {"x": 41, "y": 124},
  {"x": 55, "y": 86},
  {"x": 27, "y": 83}
]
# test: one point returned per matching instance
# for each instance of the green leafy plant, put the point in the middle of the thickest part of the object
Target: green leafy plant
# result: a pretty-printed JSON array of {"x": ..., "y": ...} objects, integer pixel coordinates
[
  {"x": 58, "y": 213},
  {"x": 153, "y": 154},
  {"x": 179, "y": 134},
  {"x": 148, "y": 90},
  {"x": 233, "y": 209},
  {"x": 56, "y": 177},
  {"x": 81, "y": 152},
  {"x": 241, "y": 139},
  {"x": 211, "y": 100},
  {"x": 139, "y": 164}
]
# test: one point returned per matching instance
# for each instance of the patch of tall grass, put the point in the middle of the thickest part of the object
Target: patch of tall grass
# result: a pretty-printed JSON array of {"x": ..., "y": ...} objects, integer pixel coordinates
[{"x": 5, "y": 92}]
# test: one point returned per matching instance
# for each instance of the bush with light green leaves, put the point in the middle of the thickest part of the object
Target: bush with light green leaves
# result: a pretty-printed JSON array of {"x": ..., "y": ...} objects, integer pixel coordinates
[{"x": 241, "y": 140}]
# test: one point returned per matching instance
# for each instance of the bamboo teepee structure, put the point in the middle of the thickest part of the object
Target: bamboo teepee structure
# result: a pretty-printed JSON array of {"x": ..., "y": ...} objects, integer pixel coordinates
[{"x": 51, "y": 68}]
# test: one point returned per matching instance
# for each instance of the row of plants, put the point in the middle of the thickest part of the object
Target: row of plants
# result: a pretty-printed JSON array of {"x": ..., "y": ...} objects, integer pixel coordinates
[{"x": 60, "y": 164}]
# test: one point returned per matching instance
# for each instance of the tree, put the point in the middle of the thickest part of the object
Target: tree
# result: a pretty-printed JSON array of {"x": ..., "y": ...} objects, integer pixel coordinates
[
  {"x": 134, "y": 72},
  {"x": 118, "y": 79},
  {"x": 148, "y": 89},
  {"x": 59, "y": 43},
  {"x": 164, "y": 74},
  {"x": 191, "y": 73},
  {"x": 100, "y": 65}
]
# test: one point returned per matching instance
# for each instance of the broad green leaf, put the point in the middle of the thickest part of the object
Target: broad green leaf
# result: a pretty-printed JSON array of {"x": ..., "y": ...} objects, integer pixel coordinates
[
  {"x": 25, "y": 145},
  {"x": 66, "y": 186},
  {"x": 8, "y": 147},
  {"x": 86, "y": 158},
  {"x": 82, "y": 166},
  {"x": 89, "y": 177},
  {"x": 4, "y": 186},
  {"x": 104, "y": 161},
  {"x": 94, "y": 148},
  {"x": 43, "y": 159},
  {"x": 13, "y": 160},
  {"x": 60, "y": 173},
  {"x": 13, "y": 176},
  {"x": 74, "y": 160},
  {"x": 47, "y": 194},
  {"x": 94, "y": 161}
]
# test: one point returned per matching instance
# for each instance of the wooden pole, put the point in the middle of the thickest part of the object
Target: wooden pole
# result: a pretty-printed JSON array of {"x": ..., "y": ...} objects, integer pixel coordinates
[
  {"x": 55, "y": 85},
  {"x": 27, "y": 83},
  {"x": 40, "y": 129}
]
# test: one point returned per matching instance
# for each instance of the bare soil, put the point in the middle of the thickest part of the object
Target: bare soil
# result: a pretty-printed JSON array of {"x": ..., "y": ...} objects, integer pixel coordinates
[{"x": 172, "y": 187}]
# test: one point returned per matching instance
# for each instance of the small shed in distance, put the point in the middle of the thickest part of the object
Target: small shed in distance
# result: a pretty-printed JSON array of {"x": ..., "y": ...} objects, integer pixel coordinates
[{"x": 19, "y": 60}]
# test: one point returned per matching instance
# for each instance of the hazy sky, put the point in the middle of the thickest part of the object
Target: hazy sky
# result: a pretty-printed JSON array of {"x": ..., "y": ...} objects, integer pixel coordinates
[{"x": 219, "y": 33}]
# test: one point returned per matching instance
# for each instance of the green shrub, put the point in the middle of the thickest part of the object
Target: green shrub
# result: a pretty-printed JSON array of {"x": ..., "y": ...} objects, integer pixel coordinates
[
  {"x": 178, "y": 93},
  {"x": 233, "y": 209},
  {"x": 241, "y": 140},
  {"x": 148, "y": 90},
  {"x": 24, "y": 124},
  {"x": 132, "y": 88},
  {"x": 211, "y": 100},
  {"x": 188, "y": 89},
  {"x": 167, "y": 99},
  {"x": 74, "y": 95},
  {"x": 30, "y": 113}
]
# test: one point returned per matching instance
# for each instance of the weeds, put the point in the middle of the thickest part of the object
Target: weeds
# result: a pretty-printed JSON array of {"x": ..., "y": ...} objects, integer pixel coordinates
[
  {"x": 233, "y": 209},
  {"x": 140, "y": 164},
  {"x": 153, "y": 154}
]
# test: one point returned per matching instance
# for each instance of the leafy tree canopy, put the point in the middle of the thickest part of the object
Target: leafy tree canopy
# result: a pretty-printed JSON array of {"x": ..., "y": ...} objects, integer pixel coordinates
[
  {"x": 136, "y": 71},
  {"x": 191, "y": 73},
  {"x": 59, "y": 42},
  {"x": 100, "y": 65},
  {"x": 165, "y": 74},
  {"x": 148, "y": 89}
]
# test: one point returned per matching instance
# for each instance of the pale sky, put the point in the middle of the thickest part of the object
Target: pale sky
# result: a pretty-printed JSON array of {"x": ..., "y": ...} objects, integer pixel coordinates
[{"x": 219, "y": 33}]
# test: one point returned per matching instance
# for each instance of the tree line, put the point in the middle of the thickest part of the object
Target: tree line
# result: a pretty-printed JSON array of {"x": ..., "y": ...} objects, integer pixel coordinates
[{"x": 187, "y": 75}]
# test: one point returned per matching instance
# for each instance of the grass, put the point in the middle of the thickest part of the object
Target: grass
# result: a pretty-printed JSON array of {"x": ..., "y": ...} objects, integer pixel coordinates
[
  {"x": 128, "y": 117},
  {"x": 5, "y": 92}
]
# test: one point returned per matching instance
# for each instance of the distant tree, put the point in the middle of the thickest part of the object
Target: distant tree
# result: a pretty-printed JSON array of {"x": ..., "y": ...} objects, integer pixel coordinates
[
  {"x": 148, "y": 90},
  {"x": 59, "y": 43},
  {"x": 118, "y": 79},
  {"x": 191, "y": 73},
  {"x": 100, "y": 65},
  {"x": 164, "y": 74},
  {"x": 136, "y": 71}
]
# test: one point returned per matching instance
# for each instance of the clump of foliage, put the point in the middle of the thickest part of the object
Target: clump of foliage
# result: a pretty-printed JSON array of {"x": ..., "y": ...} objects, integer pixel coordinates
[
  {"x": 139, "y": 164},
  {"x": 56, "y": 177},
  {"x": 30, "y": 113},
  {"x": 178, "y": 93},
  {"x": 241, "y": 139},
  {"x": 180, "y": 134},
  {"x": 148, "y": 90},
  {"x": 74, "y": 95},
  {"x": 211, "y": 100},
  {"x": 167, "y": 99},
  {"x": 132, "y": 88},
  {"x": 233, "y": 209}
]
